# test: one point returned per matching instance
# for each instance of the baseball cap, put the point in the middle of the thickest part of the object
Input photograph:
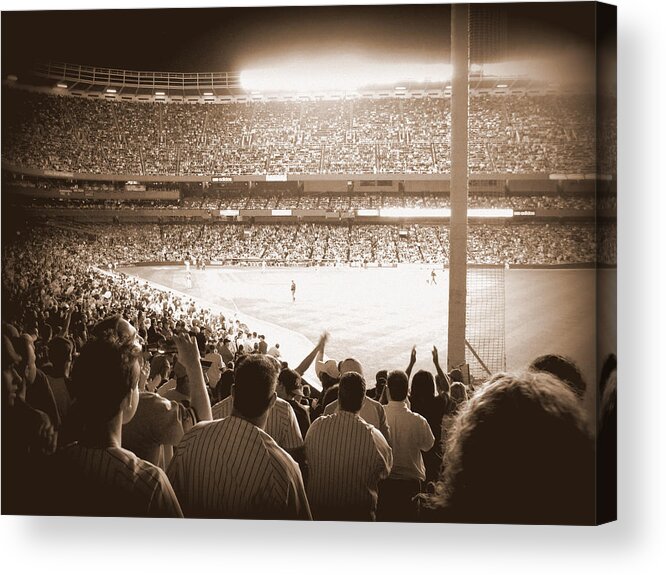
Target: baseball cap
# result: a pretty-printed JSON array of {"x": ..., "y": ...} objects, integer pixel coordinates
[
  {"x": 329, "y": 367},
  {"x": 350, "y": 364}
]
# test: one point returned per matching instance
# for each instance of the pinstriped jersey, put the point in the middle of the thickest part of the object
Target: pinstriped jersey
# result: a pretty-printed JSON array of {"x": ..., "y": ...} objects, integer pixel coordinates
[
  {"x": 232, "y": 469},
  {"x": 281, "y": 424},
  {"x": 347, "y": 457},
  {"x": 109, "y": 482}
]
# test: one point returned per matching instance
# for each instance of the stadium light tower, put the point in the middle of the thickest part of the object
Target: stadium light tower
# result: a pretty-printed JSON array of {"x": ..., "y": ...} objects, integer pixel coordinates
[{"x": 459, "y": 184}]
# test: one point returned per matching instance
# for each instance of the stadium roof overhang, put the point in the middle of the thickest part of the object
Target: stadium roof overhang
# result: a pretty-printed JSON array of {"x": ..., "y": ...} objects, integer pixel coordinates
[{"x": 212, "y": 87}]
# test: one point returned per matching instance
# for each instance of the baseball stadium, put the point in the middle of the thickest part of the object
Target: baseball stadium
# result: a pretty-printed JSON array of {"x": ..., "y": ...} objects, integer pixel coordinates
[{"x": 461, "y": 211}]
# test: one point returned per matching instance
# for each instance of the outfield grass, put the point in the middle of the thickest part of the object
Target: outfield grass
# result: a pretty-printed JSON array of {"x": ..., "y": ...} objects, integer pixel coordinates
[{"x": 377, "y": 315}]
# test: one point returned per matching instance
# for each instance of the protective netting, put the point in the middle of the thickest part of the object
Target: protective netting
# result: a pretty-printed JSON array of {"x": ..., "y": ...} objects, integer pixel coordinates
[{"x": 485, "y": 329}]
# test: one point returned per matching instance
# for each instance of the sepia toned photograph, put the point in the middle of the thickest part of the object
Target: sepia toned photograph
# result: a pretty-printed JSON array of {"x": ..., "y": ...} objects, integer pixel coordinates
[{"x": 330, "y": 263}]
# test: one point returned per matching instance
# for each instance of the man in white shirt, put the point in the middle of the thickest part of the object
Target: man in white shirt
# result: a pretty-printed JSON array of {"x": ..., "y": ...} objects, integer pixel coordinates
[
  {"x": 347, "y": 457},
  {"x": 411, "y": 435}
]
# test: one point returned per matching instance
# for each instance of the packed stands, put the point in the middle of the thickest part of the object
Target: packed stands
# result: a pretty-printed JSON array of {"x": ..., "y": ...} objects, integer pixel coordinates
[{"x": 511, "y": 134}]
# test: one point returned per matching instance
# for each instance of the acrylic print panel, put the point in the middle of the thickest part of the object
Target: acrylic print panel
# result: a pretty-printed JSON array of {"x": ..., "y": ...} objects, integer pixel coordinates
[{"x": 361, "y": 272}]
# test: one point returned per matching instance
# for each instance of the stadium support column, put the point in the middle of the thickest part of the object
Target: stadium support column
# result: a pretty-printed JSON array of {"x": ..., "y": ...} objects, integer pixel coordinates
[{"x": 458, "y": 226}]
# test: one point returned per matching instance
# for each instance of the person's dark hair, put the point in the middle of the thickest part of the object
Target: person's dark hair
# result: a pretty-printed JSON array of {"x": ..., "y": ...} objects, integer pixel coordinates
[
  {"x": 398, "y": 385},
  {"x": 352, "y": 392},
  {"x": 289, "y": 379},
  {"x": 158, "y": 366},
  {"x": 327, "y": 381},
  {"x": 442, "y": 384},
  {"x": 382, "y": 374},
  {"x": 458, "y": 392},
  {"x": 60, "y": 352},
  {"x": 330, "y": 395},
  {"x": 564, "y": 369},
  {"x": 223, "y": 387},
  {"x": 456, "y": 375},
  {"x": 255, "y": 378},
  {"x": 519, "y": 452},
  {"x": 103, "y": 374},
  {"x": 423, "y": 388}
]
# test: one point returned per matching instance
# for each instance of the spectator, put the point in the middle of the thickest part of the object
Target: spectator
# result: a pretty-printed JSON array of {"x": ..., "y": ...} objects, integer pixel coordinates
[
  {"x": 411, "y": 435},
  {"x": 343, "y": 480},
  {"x": 564, "y": 369},
  {"x": 96, "y": 476},
  {"x": 518, "y": 453},
  {"x": 27, "y": 434},
  {"x": 159, "y": 424},
  {"x": 371, "y": 411},
  {"x": 60, "y": 352},
  {"x": 230, "y": 467},
  {"x": 38, "y": 393},
  {"x": 433, "y": 408},
  {"x": 290, "y": 388},
  {"x": 281, "y": 423}
]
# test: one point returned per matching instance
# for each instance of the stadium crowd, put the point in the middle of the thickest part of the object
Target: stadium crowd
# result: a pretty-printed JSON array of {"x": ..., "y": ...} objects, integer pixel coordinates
[
  {"x": 134, "y": 401},
  {"x": 329, "y": 202},
  {"x": 309, "y": 244},
  {"x": 508, "y": 134}
]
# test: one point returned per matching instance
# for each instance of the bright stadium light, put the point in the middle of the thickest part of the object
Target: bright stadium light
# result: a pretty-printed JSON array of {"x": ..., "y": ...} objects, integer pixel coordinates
[
  {"x": 62, "y": 85},
  {"x": 339, "y": 73},
  {"x": 208, "y": 93},
  {"x": 490, "y": 213},
  {"x": 502, "y": 85},
  {"x": 110, "y": 90},
  {"x": 415, "y": 213},
  {"x": 159, "y": 93}
]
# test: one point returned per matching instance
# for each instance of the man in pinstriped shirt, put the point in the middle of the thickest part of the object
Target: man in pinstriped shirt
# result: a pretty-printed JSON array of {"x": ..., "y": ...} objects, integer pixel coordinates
[
  {"x": 95, "y": 475},
  {"x": 281, "y": 423},
  {"x": 371, "y": 411},
  {"x": 232, "y": 468},
  {"x": 347, "y": 457}
]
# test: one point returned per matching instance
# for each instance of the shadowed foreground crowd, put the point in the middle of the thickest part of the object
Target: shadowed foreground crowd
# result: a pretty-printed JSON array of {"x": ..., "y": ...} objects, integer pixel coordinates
[
  {"x": 120, "y": 399},
  {"x": 121, "y": 430}
]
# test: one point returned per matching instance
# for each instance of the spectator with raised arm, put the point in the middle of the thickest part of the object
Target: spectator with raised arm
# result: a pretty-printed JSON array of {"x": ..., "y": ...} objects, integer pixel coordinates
[{"x": 410, "y": 436}]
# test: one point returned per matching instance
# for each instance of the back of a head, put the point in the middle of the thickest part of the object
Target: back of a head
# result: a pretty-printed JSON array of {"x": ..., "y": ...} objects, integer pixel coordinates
[
  {"x": 255, "y": 378},
  {"x": 423, "y": 387},
  {"x": 398, "y": 385},
  {"x": 458, "y": 392},
  {"x": 519, "y": 452},
  {"x": 103, "y": 375},
  {"x": 159, "y": 365},
  {"x": 289, "y": 379},
  {"x": 562, "y": 368},
  {"x": 60, "y": 352},
  {"x": 351, "y": 392}
]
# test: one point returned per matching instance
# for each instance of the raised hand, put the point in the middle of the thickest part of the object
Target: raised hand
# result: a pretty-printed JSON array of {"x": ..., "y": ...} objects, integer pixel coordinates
[
  {"x": 435, "y": 355},
  {"x": 412, "y": 357},
  {"x": 188, "y": 351}
]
